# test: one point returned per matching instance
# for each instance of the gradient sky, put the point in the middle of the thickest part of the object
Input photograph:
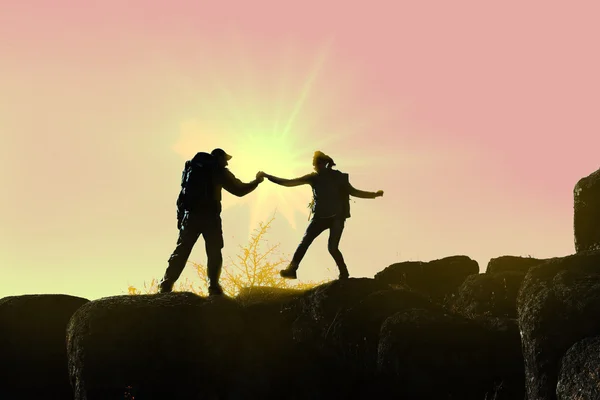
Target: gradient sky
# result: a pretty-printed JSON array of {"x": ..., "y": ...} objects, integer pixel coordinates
[{"x": 476, "y": 119}]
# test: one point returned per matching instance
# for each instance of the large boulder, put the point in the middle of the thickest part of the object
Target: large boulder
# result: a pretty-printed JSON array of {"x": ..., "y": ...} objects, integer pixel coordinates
[
  {"x": 558, "y": 305},
  {"x": 493, "y": 295},
  {"x": 438, "y": 278},
  {"x": 586, "y": 218},
  {"x": 432, "y": 355},
  {"x": 580, "y": 371},
  {"x": 319, "y": 307},
  {"x": 175, "y": 346},
  {"x": 33, "y": 354},
  {"x": 317, "y": 311},
  {"x": 512, "y": 263},
  {"x": 354, "y": 335},
  {"x": 275, "y": 366}
]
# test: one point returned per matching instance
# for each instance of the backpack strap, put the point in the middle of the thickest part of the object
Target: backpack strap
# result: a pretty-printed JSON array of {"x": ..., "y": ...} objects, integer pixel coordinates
[
  {"x": 185, "y": 172},
  {"x": 311, "y": 206}
]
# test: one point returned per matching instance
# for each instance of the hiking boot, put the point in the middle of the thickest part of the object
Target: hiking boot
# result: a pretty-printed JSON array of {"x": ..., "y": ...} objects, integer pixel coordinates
[
  {"x": 165, "y": 287},
  {"x": 215, "y": 290},
  {"x": 288, "y": 273}
]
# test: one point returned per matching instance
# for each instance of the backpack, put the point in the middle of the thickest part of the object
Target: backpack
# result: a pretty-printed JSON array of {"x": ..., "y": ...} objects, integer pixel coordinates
[
  {"x": 197, "y": 187},
  {"x": 342, "y": 181},
  {"x": 345, "y": 194}
]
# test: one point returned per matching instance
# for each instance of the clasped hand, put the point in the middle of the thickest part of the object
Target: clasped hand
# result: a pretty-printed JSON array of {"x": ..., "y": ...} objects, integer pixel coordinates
[{"x": 260, "y": 176}]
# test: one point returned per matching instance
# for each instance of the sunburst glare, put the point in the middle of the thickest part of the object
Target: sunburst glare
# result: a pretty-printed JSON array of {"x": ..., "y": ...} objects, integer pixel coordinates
[{"x": 274, "y": 124}]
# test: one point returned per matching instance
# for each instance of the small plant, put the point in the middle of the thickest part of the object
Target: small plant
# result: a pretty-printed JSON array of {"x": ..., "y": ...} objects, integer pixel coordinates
[{"x": 254, "y": 266}]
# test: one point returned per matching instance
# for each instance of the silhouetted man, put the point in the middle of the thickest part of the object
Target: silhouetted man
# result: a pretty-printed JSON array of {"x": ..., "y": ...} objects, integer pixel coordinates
[
  {"x": 330, "y": 207},
  {"x": 199, "y": 213}
]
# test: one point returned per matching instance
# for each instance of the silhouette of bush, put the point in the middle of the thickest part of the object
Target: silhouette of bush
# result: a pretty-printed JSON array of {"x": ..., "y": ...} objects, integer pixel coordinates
[{"x": 253, "y": 267}]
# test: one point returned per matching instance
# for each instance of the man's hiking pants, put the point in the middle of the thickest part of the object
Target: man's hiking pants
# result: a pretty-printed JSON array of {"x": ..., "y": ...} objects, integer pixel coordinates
[
  {"x": 314, "y": 229},
  {"x": 193, "y": 225}
]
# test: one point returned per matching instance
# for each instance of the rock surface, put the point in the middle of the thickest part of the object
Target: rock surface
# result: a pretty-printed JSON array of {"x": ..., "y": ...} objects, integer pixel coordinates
[
  {"x": 33, "y": 356},
  {"x": 437, "y": 278},
  {"x": 316, "y": 314},
  {"x": 489, "y": 294},
  {"x": 175, "y": 346},
  {"x": 512, "y": 263},
  {"x": 580, "y": 371},
  {"x": 273, "y": 364},
  {"x": 558, "y": 305},
  {"x": 433, "y": 355},
  {"x": 586, "y": 216}
]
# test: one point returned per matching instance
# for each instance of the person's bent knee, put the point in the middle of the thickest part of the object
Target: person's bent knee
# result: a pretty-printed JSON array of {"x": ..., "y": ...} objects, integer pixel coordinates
[{"x": 333, "y": 249}]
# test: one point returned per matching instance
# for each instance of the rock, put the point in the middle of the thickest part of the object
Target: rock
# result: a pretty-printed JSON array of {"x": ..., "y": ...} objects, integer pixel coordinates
[
  {"x": 318, "y": 310},
  {"x": 504, "y": 363},
  {"x": 175, "y": 346},
  {"x": 512, "y": 263},
  {"x": 586, "y": 218},
  {"x": 274, "y": 365},
  {"x": 354, "y": 337},
  {"x": 438, "y": 278},
  {"x": 489, "y": 294},
  {"x": 431, "y": 355},
  {"x": 266, "y": 294},
  {"x": 580, "y": 371},
  {"x": 319, "y": 307},
  {"x": 33, "y": 356},
  {"x": 355, "y": 334},
  {"x": 558, "y": 305}
]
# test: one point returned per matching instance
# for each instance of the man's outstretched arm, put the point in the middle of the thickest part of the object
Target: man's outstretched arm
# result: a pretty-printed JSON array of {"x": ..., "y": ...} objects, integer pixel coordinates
[
  {"x": 303, "y": 180},
  {"x": 236, "y": 187},
  {"x": 363, "y": 194}
]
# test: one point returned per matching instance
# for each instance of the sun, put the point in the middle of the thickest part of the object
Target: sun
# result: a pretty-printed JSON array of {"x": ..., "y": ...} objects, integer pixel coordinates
[
  {"x": 275, "y": 153},
  {"x": 271, "y": 119}
]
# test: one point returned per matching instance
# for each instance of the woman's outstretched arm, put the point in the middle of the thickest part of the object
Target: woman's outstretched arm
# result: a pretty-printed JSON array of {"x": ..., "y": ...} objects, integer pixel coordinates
[
  {"x": 303, "y": 180},
  {"x": 362, "y": 193}
]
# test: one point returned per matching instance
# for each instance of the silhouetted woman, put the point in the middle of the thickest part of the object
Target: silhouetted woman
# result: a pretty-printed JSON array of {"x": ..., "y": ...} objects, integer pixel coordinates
[{"x": 330, "y": 208}]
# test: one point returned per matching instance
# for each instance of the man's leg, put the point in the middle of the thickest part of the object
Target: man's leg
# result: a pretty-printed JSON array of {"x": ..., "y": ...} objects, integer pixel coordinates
[
  {"x": 335, "y": 235},
  {"x": 188, "y": 235},
  {"x": 314, "y": 229},
  {"x": 213, "y": 241}
]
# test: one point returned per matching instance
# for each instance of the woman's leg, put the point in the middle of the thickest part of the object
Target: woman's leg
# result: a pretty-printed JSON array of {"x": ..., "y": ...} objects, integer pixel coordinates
[
  {"x": 335, "y": 235},
  {"x": 314, "y": 229}
]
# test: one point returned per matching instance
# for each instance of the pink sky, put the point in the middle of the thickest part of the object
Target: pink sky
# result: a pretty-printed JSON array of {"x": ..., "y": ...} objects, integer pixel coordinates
[{"x": 491, "y": 117}]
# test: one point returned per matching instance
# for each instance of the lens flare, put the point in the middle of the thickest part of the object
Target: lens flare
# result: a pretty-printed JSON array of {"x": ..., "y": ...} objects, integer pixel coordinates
[{"x": 274, "y": 123}]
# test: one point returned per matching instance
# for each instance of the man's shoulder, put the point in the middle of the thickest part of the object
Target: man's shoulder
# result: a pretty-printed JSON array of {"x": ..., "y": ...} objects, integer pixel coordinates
[
  {"x": 214, "y": 171},
  {"x": 223, "y": 171},
  {"x": 203, "y": 158}
]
